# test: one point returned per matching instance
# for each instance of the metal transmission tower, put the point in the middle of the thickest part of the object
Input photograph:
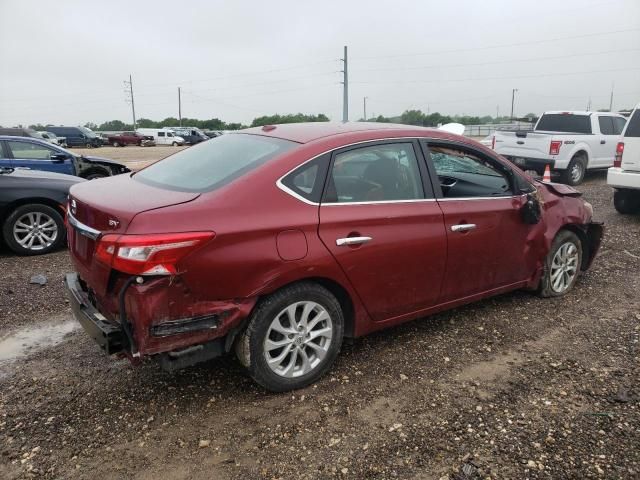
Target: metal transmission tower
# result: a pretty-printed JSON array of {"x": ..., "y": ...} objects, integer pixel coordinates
[
  {"x": 345, "y": 89},
  {"x": 129, "y": 92}
]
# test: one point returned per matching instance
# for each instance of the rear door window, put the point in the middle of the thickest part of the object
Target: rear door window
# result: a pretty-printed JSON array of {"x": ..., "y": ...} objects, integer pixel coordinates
[
  {"x": 210, "y": 165},
  {"x": 618, "y": 125},
  {"x": 386, "y": 172},
  {"x": 606, "y": 125},
  {"x": 564, "y": 122}
]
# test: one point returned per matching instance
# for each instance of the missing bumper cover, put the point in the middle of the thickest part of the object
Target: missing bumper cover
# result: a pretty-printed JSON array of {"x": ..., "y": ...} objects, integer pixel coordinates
[{"x": 186, "y": 325}]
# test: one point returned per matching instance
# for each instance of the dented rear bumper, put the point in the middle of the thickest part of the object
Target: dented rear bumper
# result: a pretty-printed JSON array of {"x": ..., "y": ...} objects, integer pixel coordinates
[{"x": 161, "y": 318}]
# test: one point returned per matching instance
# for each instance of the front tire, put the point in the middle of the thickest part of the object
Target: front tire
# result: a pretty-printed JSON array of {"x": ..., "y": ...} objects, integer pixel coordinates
[
  {"x": 576, "y": 170},
  {"x": 34, "y": 229},
  {"x": 626, "y": 201},
  {"x": 562, "y": 265},
  {"x": 293, "y": 337},
  {"x": 175, "y": 144}
]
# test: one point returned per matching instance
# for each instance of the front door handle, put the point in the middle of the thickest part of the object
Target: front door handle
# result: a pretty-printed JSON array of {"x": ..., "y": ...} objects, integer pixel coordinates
[
  {"x": 352, "y": 241},
  {"x": 602, "y": 142},
  {"x": 463, "y": 227}
]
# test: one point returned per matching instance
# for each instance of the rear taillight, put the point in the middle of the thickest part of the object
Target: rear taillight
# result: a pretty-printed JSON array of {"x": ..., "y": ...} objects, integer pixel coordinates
[
  {"x": 554, "y": 147},
  {"x": 617, "y": 161},
  {"x": 493, "y": 142},
  {"x": 156, "y": 254}
]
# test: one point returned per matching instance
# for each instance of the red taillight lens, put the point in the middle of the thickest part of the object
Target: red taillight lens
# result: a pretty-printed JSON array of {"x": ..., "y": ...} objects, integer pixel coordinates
[
  {"x": 617, "y": 161},
  {"x": 493, "y": 142},
  {"x": 155, "y": 254},
  {"x": 554, "y": 148}
]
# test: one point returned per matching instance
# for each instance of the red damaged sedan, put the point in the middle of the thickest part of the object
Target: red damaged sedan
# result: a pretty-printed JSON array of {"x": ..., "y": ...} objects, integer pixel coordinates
[{"x": 278, "y": 242}]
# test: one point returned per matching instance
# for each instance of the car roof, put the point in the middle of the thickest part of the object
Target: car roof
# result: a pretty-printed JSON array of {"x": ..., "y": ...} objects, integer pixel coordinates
[{"x": 308, "y": 132}]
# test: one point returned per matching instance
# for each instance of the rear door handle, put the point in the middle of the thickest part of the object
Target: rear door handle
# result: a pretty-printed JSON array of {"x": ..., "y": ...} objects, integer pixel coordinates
[
  {"x": 464, "y": 227},
  {"x": 352, "y": 241}
]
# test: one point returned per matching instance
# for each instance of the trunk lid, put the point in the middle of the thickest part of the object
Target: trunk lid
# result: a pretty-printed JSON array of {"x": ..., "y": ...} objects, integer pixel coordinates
[{"x": 108, "y": 206}]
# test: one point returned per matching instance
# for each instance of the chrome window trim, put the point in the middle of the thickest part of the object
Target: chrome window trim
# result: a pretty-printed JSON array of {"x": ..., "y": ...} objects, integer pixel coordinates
[
  {"x": 481, "y": 198},
  {"x": 287, "y": 190},
  {"x": 83, "y": 229},
  {"x": 297, "y": 196}
]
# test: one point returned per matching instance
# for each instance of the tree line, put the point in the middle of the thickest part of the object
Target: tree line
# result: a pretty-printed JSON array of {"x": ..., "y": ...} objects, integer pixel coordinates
[{"x": 408, "y": 117}]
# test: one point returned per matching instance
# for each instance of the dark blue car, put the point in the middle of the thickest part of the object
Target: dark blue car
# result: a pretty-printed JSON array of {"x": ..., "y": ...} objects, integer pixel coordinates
[{"x": 26, "y": 152}]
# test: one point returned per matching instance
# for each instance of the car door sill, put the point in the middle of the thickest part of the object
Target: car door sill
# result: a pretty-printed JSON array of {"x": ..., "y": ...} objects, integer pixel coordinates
[{"x": 377, "y": 325}]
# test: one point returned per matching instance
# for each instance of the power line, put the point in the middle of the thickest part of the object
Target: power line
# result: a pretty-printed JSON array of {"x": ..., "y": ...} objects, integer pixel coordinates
[
  {"x": 503, "y": 45},
  {"x": 501, "y": 77},
  {"x": 497, "y": 62}
]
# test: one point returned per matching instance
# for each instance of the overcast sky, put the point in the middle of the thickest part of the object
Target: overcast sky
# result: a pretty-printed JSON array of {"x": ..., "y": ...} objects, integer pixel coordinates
[{"x": 64, "y": 62}]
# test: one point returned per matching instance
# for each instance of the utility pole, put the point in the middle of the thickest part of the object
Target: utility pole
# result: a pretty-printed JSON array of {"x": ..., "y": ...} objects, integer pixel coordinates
[
  {"x": 513, "y": 97},
  {"x": 130, "y": 98},
  {"x": 364, "y": 107},
  {"x": 589, "y": 105},
  {"x": 611, "y": 99},
  {"x": 497, "y": 112},
  {"x": 179, "y": 108},
  {"x": 345, "y": 89}
]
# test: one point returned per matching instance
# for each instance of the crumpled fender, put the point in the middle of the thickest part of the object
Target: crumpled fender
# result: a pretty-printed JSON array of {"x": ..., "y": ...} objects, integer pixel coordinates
[{"x": 562, "y": 207}]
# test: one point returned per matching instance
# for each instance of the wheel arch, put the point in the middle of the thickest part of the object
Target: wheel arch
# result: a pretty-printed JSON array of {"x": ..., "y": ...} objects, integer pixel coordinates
[
  {"x": 579, "y": 231},
  {"x": 10, "y": 208}
]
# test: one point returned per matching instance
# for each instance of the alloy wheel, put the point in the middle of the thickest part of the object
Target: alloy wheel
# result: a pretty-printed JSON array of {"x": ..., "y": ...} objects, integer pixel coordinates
[
  {"x": 564, "y": 267},
  {"x": 298, "y": 339},
  {"x": 35, "y": 231},
  {"x": 576, "y": 172}
]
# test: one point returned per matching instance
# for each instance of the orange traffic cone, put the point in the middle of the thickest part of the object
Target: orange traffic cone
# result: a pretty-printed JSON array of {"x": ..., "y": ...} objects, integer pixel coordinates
[{"x": 547, "y": 174}]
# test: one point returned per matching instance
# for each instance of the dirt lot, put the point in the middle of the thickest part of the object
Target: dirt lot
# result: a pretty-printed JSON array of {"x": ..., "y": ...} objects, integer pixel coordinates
[
  {"x": 134, "y": 157},
  {"x": 513, "y": 387}
]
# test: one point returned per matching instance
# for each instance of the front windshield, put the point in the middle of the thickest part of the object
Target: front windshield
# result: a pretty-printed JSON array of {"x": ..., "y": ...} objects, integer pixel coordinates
[
  {"x": 87, "y": 132},
  {"x": 50, "y": 135},
  {"x": 212, "y": 164}
]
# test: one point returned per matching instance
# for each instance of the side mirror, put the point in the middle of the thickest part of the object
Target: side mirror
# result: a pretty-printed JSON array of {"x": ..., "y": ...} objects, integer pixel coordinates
[
  {"x": 58, "y": 157},
  {"x": 531, "y": 210}
]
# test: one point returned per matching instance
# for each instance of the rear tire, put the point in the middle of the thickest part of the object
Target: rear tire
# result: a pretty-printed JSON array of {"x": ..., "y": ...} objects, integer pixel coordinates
[
  {"x": 576, "y": 170},
  {"x": 115, "y": 143},
  {"x": 34, "y": 229},
  {"x": 626, "y": 201},
  {"x": 562, "y": 265},
  {"x": 293, "y": 337}
]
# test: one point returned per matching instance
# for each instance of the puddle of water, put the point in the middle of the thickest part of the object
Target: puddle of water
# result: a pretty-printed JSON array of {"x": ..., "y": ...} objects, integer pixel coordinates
[{"x": 23, "y": 341}]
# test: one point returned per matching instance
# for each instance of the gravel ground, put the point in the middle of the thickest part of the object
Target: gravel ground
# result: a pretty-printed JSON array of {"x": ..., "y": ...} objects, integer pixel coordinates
[{"x": 511, "y": 387}]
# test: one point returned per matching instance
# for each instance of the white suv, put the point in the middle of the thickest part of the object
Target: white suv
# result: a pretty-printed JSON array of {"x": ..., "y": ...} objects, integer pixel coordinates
[{"x": 624, "y": 176}]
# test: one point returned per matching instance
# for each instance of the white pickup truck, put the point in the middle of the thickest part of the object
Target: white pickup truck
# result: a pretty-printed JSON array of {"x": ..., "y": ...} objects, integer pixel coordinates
[
  {"x": 569, "y": 142},
  {"x": 624, "y": 176}
]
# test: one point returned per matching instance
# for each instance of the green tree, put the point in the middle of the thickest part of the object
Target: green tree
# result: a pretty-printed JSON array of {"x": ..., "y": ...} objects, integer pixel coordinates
[
  {"x": 115, "y": 126},
  {"x": 146, "y": 123},
  {"x": 91, "y": 126},
  {"x": 412, "y": 117}
]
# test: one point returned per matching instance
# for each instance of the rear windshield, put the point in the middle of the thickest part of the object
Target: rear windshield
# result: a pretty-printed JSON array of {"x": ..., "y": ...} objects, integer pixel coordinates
[
  {"x": 214, "y": 163},
  {"x": 559, "y": 122},
  {"x": 633, "y": 129}
]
